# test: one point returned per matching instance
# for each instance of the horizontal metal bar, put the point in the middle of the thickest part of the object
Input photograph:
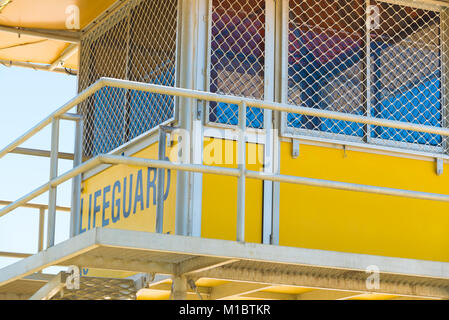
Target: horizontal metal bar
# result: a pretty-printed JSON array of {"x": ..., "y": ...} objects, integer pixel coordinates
[
  {"x": 207, "y": 96},
  {"x": 42, "y": 153},
  {"x": 14, "y": 255},
  {"x": 70, "y": 51},
  {"x": 36, "y": 206},
  {"x": 59, "y": 112},
  {"x": 35, "y": 66},
  {"x": 58, "y": 35},
  {"x": 419, "y": 3},
  {"x": 53, "y": 183},
  {"x": 71, "y": 117},
  {"x": 349, "y": 186},
  {"x": 142, "y": 162}
]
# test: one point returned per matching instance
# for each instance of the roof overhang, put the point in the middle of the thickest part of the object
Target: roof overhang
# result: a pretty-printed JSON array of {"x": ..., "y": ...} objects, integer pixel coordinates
[{"x": 45, "y": 34}]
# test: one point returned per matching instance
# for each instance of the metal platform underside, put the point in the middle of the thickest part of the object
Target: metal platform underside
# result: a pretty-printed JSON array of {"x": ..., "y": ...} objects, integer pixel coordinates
[
  {"x": 221, "y": 270},
  {"x": 91, "y": 288}
]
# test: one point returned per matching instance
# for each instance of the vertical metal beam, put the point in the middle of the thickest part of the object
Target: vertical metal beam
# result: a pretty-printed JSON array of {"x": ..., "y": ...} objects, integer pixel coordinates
[
  {"x": 201, "y": 84},
  {"x": 368, "y": 66},
  {"x": 444, "y": 51},
  {"x": 160, "y": 183},
  {"x": 179, "y": 288},
  {"x": 281, "y": 95},
  {"x": 76, "y": 182},
  {"x": 269, "y": 94},
  {"x": 40, "y": 246},
  {"x": 187, "y": 61},
  {"x": 241, "y": 152},
  {"x": 51, "y": 223}
]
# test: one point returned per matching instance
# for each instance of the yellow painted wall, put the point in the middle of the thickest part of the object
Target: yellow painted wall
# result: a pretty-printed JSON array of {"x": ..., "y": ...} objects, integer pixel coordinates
[
  {"x": 318, "y": 218},
  {"x": 310, "y": 217},
  {"x": 219, "y": 208},
  {"x": 219, "y": 214},
  {"x": 138, "y": 219},
  {"x": 141, "y": 220}
]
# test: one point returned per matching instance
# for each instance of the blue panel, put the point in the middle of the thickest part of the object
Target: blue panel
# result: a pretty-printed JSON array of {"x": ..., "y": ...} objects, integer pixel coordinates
[
  {"x": 419, "y": 104},
  {"x": 148, "y": 110},
  {"x": 312, "y": 70},
  {"x": 108, "y": 121},
  {"x": 121, "y": 115}
]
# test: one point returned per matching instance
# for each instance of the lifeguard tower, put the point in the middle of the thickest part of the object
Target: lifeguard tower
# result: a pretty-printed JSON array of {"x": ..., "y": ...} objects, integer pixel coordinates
[{"x": 239, "y": 149}]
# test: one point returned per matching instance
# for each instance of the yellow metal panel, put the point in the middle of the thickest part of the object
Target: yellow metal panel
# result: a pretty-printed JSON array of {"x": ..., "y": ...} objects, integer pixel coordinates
[
  {"x": 43, "y": 14},
  {"x": 219, "y": 208},
  {"x": 287, "y": 289},
  {"x": 72, "y": 62},
  {"x": 327, "y": 219},
  {"x": 142, "y": 214},
  {"x": 137, "y": 212},
  {"x": 150, "y": 294},
  {"x": 373, "y": 296},
  {"x": 34, "y": 50},
  {"x": 207, "y": 282},
  {"x": 50, "y": 14}
]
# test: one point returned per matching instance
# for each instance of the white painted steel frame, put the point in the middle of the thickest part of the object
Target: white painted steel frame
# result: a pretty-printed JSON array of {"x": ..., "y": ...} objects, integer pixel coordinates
[
  {"x": 36, "y": 66},
  {"x": 187, "y": 52},
  {"x": 208, "y": 252},
  {"x": 58, "y": 35},
  {"x": 207, "y": 96},
  {"x": 238, "y": 173},
  {"x": 194, "y": 94},
  {"x": 270, "y": 126},
  {"x": 367, "y": 140}
]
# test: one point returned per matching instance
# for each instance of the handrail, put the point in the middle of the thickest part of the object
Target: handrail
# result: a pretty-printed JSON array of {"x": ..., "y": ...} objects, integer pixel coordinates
[
  {"x": 143, "y": 162},
  {"x": 109, "y": 159},
  {"x": 208, "y": 96},
  {"x": 35, "y": 206},
  {"x": 42, "y": 208},
  {"x": 241, "y": 172},
  {"x": 16, "y": 255}
]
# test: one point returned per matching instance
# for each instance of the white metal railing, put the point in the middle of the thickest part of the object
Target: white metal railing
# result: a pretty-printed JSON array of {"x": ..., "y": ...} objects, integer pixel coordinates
[
  {"x": 42, "y": 208},
  {"x": 241, "y": 172}
]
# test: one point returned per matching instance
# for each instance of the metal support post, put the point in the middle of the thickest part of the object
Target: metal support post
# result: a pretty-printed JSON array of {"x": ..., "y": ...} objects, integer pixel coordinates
[
  {"x": 76, "y": 182},
  {"x": 51, "y": 223},
  {"x": 179, "y": 288},
  {"x": 40, "y": 246},
  {"x": 161, "y": 179},
  {"x": 241, "y": 146},
  {"x": 187, "y": 67}
]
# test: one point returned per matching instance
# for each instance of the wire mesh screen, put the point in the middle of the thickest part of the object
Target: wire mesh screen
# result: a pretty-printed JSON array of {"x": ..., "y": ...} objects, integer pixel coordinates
[
  {"x": 405, "y": 70},
  {"x": 237, "y": 57},
  {"x": 368, "y": 58},
  {"x": 138, "y": 43}
]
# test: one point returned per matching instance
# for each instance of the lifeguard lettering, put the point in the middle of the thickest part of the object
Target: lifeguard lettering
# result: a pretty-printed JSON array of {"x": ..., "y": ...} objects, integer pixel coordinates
[{"x": 124, "y": 197}]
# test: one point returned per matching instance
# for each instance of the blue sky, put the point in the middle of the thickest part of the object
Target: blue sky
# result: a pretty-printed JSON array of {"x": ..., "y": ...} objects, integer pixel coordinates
[{"x": 27, "y": 97}]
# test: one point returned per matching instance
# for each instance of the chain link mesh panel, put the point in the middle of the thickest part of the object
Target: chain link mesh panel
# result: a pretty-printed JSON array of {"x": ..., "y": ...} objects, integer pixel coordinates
[
  {"x": 138, "y": 43},
  {"x": 405, "y": 72},
  {"x": 237, "y": 57},
  {"x": 368, "y": 58}
]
